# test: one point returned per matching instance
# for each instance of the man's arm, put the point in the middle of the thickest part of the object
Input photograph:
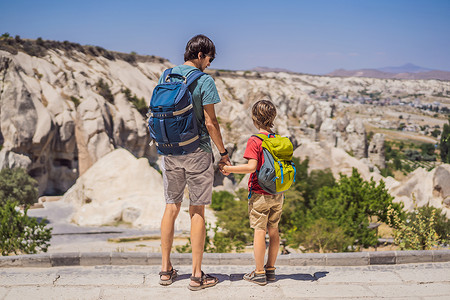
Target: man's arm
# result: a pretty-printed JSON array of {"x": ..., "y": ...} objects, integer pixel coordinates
[{"x": 212, "y": 125}]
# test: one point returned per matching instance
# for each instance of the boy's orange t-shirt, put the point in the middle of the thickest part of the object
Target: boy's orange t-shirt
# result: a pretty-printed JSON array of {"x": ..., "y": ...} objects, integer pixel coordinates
[{"x": 254, "y": 151}]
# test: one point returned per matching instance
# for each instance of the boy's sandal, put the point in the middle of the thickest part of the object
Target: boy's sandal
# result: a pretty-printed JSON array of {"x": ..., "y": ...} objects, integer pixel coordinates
[
  {"x": 202, "y": 282},
  {"x": 258, "y": 278},
  {"x": 172, "y": 275},
  {"x": 270, "y": 273}
]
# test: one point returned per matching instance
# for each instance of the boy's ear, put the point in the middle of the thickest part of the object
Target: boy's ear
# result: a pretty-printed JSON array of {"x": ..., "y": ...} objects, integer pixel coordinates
[{"x": 200, "y": 55}]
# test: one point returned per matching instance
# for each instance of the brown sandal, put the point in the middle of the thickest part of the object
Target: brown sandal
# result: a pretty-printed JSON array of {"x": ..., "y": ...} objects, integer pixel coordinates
[
  {"x": 172, "y": 275},
  {"x": 201, "y": 280}
]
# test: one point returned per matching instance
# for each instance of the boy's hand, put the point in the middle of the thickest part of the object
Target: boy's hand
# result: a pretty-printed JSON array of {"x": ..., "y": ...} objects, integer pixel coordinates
[{"x": 224, "y": 161}]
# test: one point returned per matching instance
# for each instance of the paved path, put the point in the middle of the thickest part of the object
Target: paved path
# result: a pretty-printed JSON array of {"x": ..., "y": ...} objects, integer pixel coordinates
[{"x": 407, "y": 281}]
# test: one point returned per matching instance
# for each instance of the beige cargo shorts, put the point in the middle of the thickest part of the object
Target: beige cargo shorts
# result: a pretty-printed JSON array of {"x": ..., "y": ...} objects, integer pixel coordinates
[
  {"x": 265, "y": 210},
  {"x": 194, "y": 169}
]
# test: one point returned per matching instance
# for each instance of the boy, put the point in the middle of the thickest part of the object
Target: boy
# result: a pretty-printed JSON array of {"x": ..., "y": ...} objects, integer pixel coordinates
[{"x": 264, "y": 208}]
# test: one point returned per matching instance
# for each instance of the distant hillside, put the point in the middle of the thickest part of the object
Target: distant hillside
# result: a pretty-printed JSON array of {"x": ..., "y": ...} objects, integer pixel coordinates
[
  {"x": 267, "y": 69},
  {"x": 407, "y": 68},
  {"x": 408, "y": 71}
]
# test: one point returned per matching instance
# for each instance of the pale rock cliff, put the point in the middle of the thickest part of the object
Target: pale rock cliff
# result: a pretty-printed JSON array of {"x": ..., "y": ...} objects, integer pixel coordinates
[
  {"x": 53, "y": 113},
  {"x": 57, "y": 123},
  {"x": 424, "y": 187},
  {"x": 121, "y": 188}
]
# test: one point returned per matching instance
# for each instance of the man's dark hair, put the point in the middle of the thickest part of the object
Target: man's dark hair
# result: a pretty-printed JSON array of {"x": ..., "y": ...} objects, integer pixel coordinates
[{"x": 199, "y": 43}]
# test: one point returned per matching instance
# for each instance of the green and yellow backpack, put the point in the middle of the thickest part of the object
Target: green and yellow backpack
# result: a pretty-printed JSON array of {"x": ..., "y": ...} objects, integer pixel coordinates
[{"x": 277, "y": 173}]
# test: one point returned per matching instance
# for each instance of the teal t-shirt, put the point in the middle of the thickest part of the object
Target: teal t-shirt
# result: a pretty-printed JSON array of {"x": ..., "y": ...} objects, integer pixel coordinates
[{"x": 203, "y": 92}]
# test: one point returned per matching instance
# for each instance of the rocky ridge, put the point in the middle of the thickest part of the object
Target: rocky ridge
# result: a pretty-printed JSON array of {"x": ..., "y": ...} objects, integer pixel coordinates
[{"x": 57, "y": 120}]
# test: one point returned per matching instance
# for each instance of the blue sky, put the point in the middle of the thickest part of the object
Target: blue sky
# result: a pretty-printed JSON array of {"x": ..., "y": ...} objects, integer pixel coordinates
[{"x": 315, "y": 36}]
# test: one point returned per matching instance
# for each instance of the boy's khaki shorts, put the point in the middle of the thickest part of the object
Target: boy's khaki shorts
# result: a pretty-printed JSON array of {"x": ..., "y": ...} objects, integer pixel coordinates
[{"x": 265, "y": 210}]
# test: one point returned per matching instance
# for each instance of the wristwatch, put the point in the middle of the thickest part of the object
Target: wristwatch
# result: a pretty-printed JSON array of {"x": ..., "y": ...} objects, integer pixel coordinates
[{"x": 224, "y": 153}]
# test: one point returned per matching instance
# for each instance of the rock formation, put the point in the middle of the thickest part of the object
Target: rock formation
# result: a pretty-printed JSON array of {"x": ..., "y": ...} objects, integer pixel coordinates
[
  {"x": 119, "y": 188},
  {"x": 54, "y": 113},
  {"x": 64, "y": 108},
  {"x": 424, "y": 187},
  {"x": 376, "y": 150}
]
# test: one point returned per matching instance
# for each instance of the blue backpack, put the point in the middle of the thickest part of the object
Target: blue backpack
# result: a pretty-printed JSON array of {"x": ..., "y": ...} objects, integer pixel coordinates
[{"x": 172, "y": 122}]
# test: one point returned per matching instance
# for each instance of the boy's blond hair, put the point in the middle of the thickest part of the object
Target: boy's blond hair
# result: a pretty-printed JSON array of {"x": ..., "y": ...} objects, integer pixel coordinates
[{"x": 264, "y": 113}]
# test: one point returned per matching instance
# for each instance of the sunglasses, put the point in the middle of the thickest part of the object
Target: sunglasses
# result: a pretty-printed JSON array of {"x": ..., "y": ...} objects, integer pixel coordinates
[{"x": 211, "y": 58}]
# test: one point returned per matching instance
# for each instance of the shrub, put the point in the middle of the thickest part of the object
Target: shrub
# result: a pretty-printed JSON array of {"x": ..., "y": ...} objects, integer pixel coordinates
[
  {"x": 323, "y": 236},
  {"x": 75, "y": 100},
  {"x": 20, "y": 234},
  {"x": 444, "y": 145},
  {"x": 234, "y": 220},
  {"x": 17, "y": 186},
  {"x": 139, "y": 103},
  {"x": 435, "y": 133},
  {"x": 104, "y": 90},
  {"x": 220, "y": 242},
  {"x": 221, "y": 200},
  {"x": 417, "y": 231},
  {"x": 441, "y": 223}
]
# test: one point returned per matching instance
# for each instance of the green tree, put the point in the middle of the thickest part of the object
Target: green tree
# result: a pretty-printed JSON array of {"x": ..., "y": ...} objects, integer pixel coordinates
[
  {"x": 397, "y": 163},
  {"x": 17, "y": 186},
  {"x": 351, "y": 204},
  {"x": 435, "y": 133},
  {"x": 234, "y": 220},
  {"x": 427, "y": 149},
  {"x": 444, "y": 145},
  {"x": 298, "y": 199},
  {"x": 323, "y": 236},
  {"x": 221, "y": 200},
  {"x": 5, "y": 36}
]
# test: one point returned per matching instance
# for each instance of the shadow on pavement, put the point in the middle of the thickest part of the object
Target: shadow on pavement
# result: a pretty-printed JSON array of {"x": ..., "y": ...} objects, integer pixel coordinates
[
  {"x": 236, "y": 277},
  {"x": 302, "y": 277}
]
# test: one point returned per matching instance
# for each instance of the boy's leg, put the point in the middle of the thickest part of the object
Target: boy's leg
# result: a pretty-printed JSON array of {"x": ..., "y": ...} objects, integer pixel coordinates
[
  {"x": 259, "y": 248},
  {"x": 274, "y": 246},
  {"x": 167, "y": 232}
]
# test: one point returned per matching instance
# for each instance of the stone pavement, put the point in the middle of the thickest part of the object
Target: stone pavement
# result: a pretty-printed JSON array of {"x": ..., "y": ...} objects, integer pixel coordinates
[{"x": 404, "y": 281}]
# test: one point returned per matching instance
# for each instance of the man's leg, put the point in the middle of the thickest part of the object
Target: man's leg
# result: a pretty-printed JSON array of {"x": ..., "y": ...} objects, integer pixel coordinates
[
  {"x": 259, "y": 248},
  {"x": 198, "y": 235},
  {"x": 167, "y": 232},
  {"x": 274, "y": 246}
]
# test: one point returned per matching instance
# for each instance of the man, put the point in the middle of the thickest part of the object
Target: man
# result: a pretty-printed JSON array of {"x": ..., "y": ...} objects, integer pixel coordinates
[{"x": 194, "y": 169}]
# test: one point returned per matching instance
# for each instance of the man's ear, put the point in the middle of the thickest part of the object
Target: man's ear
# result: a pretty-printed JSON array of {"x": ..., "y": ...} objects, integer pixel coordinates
[{"x": 200, "y": 55}]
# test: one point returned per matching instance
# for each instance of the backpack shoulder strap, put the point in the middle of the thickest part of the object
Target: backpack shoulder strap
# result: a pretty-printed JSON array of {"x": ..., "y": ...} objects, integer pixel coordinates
[
  {"x": 264, "y": 137},
  {"x": 166, "y": 73},
  {"x": 259, "y": 136},
  {"x": 194, "y": 75}
]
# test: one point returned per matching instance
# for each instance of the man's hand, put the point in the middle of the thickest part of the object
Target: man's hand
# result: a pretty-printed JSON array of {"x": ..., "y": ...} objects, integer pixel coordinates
[{"x": 224, "y": 161}]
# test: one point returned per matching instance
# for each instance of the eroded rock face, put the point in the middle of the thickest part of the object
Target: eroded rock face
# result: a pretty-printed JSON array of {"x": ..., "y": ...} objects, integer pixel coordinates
[
  {"x": 121, "y": 188},
  {"x": 423, "y": 187},
  {"x": 26, "y": 126},
  {"x": 54, "y": 114},
  {"x": 376, "y": 150}
]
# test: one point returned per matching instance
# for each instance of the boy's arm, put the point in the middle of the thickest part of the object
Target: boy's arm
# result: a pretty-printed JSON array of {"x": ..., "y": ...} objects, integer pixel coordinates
[{"x": 249, "y": 167}]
